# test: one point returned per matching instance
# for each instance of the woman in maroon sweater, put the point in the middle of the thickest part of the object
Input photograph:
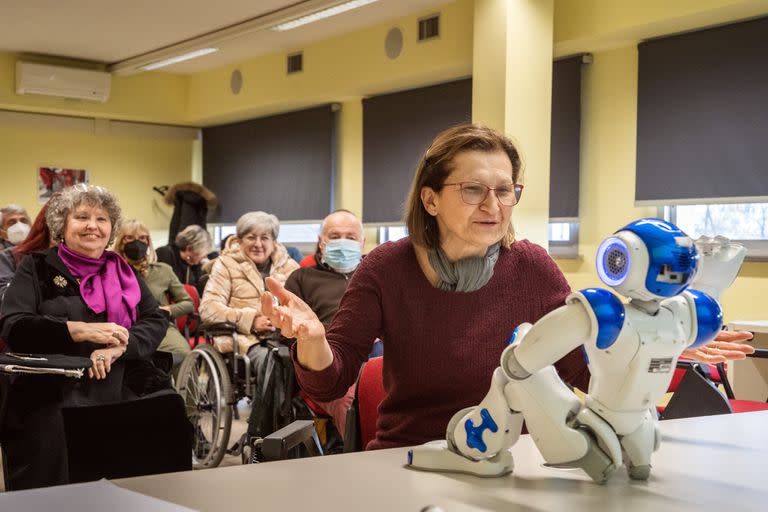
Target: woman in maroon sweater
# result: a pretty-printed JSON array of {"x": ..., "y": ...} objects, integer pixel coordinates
[{"x": 445, "y": 300}]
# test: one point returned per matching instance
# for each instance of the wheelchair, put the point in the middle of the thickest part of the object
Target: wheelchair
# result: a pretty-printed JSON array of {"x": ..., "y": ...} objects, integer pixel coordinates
[{"x": 213, "y": 383}]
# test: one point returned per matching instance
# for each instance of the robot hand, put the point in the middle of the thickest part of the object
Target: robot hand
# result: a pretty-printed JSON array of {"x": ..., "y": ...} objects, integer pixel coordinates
[
  {"x": 719, "y": 262},
  {"x": 477, "y": 438}
]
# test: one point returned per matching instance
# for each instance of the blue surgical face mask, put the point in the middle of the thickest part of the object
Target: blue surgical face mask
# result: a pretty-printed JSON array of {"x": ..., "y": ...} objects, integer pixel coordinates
[{"x": 342, "y": 254}]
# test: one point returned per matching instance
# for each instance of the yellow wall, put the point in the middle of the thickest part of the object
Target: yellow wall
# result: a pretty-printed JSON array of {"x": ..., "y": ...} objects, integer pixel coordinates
[
  {"x": 343, "y": 68},
  {"x": 127, "y": 164},
  {"x": 147, "y": 97},
  {"x": 599, "y": 25}
]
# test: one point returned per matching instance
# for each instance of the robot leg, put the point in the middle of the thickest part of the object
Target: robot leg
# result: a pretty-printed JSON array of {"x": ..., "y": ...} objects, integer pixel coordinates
[
  {"x": 551, "y": 412},
  {"x": 639, "y": 445},
  {"x": 477, "y": 438}
]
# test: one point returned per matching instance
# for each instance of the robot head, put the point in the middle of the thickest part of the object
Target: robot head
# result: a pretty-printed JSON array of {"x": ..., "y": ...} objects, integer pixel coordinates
[{"x": 649, "y": 259}]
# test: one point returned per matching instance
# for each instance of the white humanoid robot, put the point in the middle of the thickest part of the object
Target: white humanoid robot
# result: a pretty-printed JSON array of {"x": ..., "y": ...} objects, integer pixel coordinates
[{"x": 631, "y": 349}]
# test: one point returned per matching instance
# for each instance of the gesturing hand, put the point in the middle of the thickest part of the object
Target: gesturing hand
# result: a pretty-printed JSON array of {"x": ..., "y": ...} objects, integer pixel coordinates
[
  {"x": 726, "y": 346},
  {"x": 102, "y": 361},
  {"x": 291, "y": 315},
  {"x": 104, "y": 333}
]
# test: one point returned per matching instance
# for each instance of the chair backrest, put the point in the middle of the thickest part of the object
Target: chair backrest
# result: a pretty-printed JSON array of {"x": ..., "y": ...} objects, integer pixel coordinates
[
  {"x": 188, "y": 324},
  {"x": 364, "y": 413},
  {"x": 138, "y": 437},
  {"x": 695, "y": 396}
]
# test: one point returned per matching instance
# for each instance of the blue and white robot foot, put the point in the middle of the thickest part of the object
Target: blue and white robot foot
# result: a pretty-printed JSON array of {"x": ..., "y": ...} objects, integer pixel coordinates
[{"x": 436, "y": 456}]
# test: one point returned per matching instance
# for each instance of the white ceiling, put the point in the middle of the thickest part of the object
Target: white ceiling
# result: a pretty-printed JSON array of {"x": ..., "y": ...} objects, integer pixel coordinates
[{"x": 109, "y": 31}]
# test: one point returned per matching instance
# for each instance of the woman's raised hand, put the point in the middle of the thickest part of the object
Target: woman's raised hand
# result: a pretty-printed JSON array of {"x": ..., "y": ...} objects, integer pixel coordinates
[
  {"x": 295, "y": 319},
  {"x": 727, "y": 346},
  {"x": 104, "y": 333}
]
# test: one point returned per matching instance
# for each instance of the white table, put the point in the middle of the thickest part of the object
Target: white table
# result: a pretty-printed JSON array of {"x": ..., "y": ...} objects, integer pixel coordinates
[
  {"x": 710, "y": 463},
  {"x": 749, "y": 377}
]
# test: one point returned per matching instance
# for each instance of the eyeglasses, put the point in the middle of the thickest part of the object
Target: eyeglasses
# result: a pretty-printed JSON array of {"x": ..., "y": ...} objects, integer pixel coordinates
[
  {"x": 475, "y": 193},
  {"x": 264, "y": 239}
]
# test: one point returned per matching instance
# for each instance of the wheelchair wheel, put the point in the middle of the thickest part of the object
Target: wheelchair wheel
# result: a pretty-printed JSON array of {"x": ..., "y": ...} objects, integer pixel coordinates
[{"x": 205, "y": 386}]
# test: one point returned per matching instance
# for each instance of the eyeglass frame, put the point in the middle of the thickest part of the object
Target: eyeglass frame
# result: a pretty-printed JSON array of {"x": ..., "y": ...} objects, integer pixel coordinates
[{"x": 517, "y": 187}]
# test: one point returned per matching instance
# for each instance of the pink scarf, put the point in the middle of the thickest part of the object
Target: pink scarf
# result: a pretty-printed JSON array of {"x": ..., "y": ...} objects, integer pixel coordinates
[{"x": 106, "y": 284}]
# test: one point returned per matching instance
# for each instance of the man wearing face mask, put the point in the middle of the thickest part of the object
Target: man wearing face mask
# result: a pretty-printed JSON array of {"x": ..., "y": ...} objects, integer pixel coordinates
[
  {"x": 14, "y": 226},
  {"x": 321, "y": 286}
]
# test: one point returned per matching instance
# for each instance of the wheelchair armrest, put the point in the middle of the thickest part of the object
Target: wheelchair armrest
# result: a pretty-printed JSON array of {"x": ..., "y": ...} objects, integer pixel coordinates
[
  {"x": 277, "y": 444},
  {"x": 761, "y": 353},
  {"x": 222, "y": 329}
]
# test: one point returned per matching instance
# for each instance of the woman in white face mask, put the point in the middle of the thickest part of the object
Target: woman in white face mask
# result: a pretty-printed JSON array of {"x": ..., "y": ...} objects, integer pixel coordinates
[
  {"x": 36, "y": 238},
  {"x": 15, "y": 225},
  {"x": 18, "y": 232}
]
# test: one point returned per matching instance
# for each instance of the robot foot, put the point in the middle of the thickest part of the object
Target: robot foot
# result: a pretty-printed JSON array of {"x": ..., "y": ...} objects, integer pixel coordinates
[
  {"x": 639, "y": 472},
  {"x": 594, "y": 463},
  {"x": 436, "y": 456}
]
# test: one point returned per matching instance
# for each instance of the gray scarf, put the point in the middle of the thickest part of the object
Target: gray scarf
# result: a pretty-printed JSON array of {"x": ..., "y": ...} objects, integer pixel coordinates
[{"x": 465, "y": 275}]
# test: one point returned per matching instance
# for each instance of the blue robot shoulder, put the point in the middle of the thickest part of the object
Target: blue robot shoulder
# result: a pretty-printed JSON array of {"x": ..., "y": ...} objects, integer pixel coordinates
[
  {"x": 709, "y": 316},
  {"x": 605, "y": 310}
]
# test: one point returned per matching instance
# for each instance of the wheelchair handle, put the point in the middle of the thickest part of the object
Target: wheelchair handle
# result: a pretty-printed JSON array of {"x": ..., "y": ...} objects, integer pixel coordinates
[{"x": 222, "y": 329}]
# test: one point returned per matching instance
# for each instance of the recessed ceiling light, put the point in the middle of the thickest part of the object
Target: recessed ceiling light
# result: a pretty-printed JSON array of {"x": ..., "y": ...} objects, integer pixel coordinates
[
  {"x": 179, "y": 58},
  {"x": 319, "y": 15}
]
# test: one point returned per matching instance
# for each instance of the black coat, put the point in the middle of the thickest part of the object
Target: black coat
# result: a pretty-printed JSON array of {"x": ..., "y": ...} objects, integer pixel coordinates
[{"x": 43, "y": 296}]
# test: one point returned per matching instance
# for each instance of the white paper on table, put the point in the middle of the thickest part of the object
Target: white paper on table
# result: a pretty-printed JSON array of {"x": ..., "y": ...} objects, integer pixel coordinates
[{"x": 87, "y": 497}]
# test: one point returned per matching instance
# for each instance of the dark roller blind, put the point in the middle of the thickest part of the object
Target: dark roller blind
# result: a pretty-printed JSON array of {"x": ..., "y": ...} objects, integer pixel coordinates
[
  {"x": 397, "y": 129},
  {"x": 281, "y": 164},
  {"x": 702, "y": 116},
  {"x": 566, "y": 133}
]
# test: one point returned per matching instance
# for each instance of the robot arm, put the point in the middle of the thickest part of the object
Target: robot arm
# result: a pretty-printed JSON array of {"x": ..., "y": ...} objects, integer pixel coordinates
[
  {"x": 526, "y": 384},
  {"x": 719, "y": 263},
  {"x": 548, "y": 340}
]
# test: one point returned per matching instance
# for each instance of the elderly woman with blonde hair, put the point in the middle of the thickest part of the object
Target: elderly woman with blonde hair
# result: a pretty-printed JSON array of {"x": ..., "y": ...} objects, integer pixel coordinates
[
  {"x": 134, "y": 243},
  {"x": 237, "y": 278}
]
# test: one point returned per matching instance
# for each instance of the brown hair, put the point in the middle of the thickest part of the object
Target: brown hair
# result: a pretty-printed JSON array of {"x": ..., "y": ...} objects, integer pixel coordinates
[
  {"x": 39, "y": 237},
  {"x": 436, "y": 165}
]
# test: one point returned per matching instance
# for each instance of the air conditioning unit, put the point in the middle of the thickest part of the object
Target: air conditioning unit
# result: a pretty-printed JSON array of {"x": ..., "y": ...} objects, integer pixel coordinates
[{"x": 83, "y": 84}]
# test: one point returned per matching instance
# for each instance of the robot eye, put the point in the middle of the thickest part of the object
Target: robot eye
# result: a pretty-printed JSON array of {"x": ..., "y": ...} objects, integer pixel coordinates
[
  {"x": 616, "y": 261},
  {"x": 613, "y": 261}
]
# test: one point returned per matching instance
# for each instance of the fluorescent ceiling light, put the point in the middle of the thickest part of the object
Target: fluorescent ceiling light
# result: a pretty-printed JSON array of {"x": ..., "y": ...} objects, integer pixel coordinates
[
  {"x": 319, "y": 15},
  {"x": 179, "y": 58}
]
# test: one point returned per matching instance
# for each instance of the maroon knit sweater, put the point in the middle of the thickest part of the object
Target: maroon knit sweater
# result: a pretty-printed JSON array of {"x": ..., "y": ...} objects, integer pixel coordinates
[{"x": 440, "y": 348}]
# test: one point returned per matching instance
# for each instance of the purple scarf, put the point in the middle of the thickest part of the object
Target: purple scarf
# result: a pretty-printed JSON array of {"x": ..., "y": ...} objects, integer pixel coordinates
[{"x": 106, "y": 283}]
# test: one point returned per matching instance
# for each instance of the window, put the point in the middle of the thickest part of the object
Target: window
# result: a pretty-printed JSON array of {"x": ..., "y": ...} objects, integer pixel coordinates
[
  {"x": 564, "y": 239},
  {"x": 392, "y": 233},
  {"x": 746, "y": 223},
  {"x": 300, "y": 235}
]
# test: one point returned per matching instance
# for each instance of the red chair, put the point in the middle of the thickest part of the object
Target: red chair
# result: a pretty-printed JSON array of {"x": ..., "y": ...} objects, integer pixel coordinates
[
  {"x": 695, "y": 392},
  {"x": 189, "y": 324},
  {"x": 364, "y": 412}
]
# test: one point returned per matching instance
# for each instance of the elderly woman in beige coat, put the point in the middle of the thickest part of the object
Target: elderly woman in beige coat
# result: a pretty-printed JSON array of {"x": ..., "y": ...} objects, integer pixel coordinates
[{"x": 236, "y": 283}]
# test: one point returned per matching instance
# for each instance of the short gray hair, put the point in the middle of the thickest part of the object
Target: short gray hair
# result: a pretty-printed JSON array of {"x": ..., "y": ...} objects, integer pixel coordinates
[
  {"x": 260, "y": 222},
  {"x": 62, "y": 204},
  {"x": 195, "y": 238},
  {"x": 12, "y": 209}
]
